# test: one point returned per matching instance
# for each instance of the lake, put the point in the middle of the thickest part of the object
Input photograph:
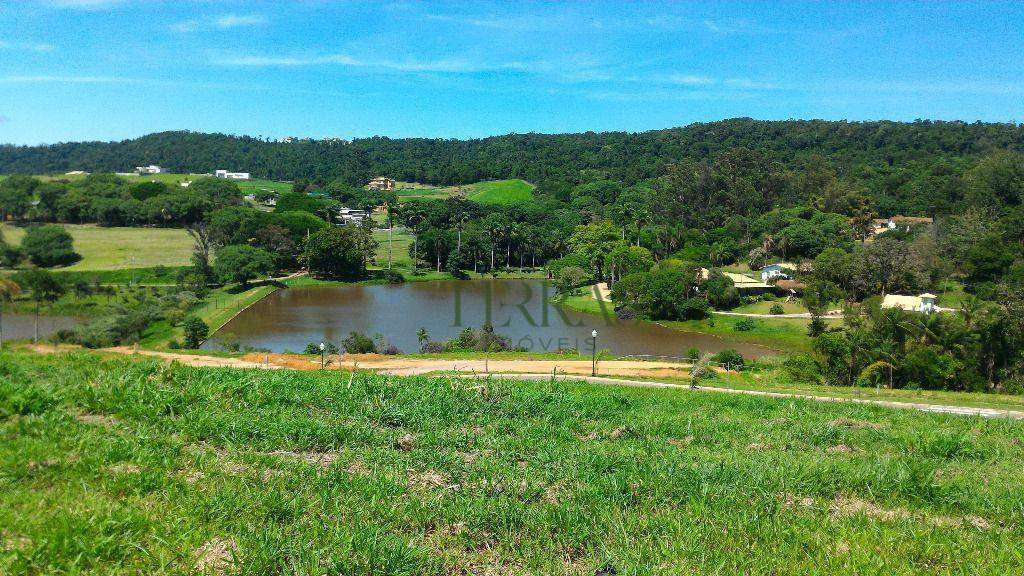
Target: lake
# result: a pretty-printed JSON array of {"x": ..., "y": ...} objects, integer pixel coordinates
[
  {"x": 22, "y": 326},
  {"x": 520, "y": 309}
]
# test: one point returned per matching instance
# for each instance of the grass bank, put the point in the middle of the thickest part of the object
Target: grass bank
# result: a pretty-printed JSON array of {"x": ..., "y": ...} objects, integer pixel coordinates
[
  {"x": 220, "y": 306},
  {"x": 785, "y": 334},
  {"x": 118, "y": 466}
]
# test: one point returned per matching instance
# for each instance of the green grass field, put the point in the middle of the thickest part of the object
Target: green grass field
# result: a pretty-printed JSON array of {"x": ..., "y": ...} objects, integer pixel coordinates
[
  {"x": 246, "y": 186},
  {"x": 125, "y": 467},
  {"x": 783, "y": 334},
  {"x": 502, "y": 192},
  {"x": 113, "y": 248},
  {"x": 258, "y": 185},
  {"x": 401, "y": 240}
]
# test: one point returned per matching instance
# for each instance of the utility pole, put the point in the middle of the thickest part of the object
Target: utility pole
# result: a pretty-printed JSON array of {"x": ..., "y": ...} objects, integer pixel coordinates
[{"x": 391, "y": 226}]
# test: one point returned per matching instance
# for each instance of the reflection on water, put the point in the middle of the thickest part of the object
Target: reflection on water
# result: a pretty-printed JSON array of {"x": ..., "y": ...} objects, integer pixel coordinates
[{"x": 289, "y": 319}]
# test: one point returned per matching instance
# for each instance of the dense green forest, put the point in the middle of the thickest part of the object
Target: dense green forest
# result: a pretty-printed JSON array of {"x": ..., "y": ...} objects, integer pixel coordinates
[
  {"x": 892, "y": 160},
  {"x": 655, "y": 215}
]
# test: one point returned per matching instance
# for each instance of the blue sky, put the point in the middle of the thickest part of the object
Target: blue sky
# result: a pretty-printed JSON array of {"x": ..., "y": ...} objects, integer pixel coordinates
[{"x": 107, "y": 69}]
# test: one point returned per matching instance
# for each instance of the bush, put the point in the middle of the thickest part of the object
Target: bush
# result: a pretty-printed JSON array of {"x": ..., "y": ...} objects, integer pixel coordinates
[
  {"x": 777, "y": 309},
  {"x": 47, "y": 246},
  {"x": 729, "y": 357},
  {"x": 9, "y": 255},
  {"x": 394, "y": 277},
  {"x": 744, "y": 325},
  {"x": 693, "y": 353},
  {"x": 196, "y": 331},
  {"x": 802, "y": 368},
  {"x": 694, "y": 309},
  {"x": 357, "y": 343},
  {"x": 569, "y": 278},
  {"x": 313, "y": 348}
]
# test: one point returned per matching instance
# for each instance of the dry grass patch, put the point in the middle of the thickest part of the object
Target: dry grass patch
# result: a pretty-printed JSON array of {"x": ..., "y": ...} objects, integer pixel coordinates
[
  {"x": 102, "y": 420},
  {"x": 216, "y": 556},
  {"x": 845, "y": 422},
  {"x": 321, "y": 459}
]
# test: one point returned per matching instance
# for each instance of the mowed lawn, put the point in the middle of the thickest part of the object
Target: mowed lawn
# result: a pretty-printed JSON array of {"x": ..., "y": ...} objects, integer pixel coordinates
[
  {"x": 113, "y": 248},
  {"x": 118, "y": 466},
  {"x": 401, "y": 240},
  {"x": 502, "y": 192}
]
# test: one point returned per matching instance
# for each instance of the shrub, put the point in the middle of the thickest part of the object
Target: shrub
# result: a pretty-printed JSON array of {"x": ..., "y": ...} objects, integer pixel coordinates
[
  {"x": 313, "y": 348},
  {"x": 196, "y": 331},
  {"x": 569, "y": 278},
  {"x": 9, "y": 255},
  {"x": 693, "y": 353},
  {"x": 694, "y": 309},
  {"x": 394, "y": 277},
  {"x": 802, "y": 368},
  {"x": 777, "y": 309},
  {"x": 357, "y": 343},
  {"x": 744, "y": 325},
  {"x": 729, "y": 357}
]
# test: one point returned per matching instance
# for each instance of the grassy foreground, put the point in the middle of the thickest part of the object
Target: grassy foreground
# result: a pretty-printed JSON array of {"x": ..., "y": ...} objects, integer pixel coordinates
[{"x": 116, "y": 466}]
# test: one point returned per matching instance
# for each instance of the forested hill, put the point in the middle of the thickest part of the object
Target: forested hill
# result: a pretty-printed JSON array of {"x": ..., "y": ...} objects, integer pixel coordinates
[{"x": 622, "y": 156}]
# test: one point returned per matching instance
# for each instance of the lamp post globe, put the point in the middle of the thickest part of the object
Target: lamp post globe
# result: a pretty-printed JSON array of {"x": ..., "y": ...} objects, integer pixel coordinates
[
  {"x": 593, "y": 360},
  {"x": 323, "y": 347}
]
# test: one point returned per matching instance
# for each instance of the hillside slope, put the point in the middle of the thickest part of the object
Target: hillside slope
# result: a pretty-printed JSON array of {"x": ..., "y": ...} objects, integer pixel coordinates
[
  {"x": 628, "y": 157},
  {"x": 124, "y": 466}
]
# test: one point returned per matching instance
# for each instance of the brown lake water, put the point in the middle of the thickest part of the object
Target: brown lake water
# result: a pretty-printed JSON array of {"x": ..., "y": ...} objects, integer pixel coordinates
[
  {"x": 22, "y": 326},
  {"x": 519, "y": 309}
]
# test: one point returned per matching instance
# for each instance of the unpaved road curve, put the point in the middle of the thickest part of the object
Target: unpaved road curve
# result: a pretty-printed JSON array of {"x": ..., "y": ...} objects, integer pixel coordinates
[{"x": 574, "y": 370}]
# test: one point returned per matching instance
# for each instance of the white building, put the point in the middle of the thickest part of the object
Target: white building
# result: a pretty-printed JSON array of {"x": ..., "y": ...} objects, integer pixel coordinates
[
  {"x": 924, "y": 303},
  {"x": 151, "y": 169},
  {"x": 780, "y": 270},
  {"x": 352, "y": 216},
  {"x": 231, "y": 175}
]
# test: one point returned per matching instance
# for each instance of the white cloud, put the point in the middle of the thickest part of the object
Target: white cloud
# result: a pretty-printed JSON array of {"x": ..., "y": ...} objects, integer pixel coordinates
[
  {"x": 223, "y": 22},
  {"x": 83, "y": 4},
  {"x": 43, "y": 79},
  {"x": 449, "y": 65},
  {"x": 687, "y": 80},
  {"x": 28, "y": 46}
]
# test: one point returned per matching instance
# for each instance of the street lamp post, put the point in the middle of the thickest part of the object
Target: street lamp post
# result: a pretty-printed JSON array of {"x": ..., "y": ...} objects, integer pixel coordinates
[
  {"x": 323, "y": 347},
  {"x": 593, "y": 362}
]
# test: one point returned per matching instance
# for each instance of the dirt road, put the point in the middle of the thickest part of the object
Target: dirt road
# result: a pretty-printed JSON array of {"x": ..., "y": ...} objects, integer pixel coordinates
[{"x": 522, "y": 370}]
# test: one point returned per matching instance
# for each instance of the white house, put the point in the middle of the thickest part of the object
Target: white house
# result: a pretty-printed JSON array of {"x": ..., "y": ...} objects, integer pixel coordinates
[
  {"x": 151, "y": 169},
  {"x": 773, "y": 271},
  {"x": 231, "y": 175},
  {"x": 352, "y": 216},
  {"x": 924, "y": 303}
]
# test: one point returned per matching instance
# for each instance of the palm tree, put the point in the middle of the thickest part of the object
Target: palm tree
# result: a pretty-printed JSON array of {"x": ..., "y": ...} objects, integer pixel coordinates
[
  {"x": 414, "y": 217},
  {"x": 9, "y": 290}
]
